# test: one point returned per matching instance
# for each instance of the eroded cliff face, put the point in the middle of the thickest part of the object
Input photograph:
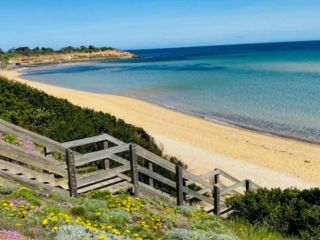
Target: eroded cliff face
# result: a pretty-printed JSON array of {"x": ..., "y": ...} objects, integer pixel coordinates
[{"x": 69, "y": 57}]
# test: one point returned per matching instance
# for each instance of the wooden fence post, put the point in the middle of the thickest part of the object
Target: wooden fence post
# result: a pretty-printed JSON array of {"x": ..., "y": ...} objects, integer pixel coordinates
[
  {"x": 216, "y": 199},
  {"x": 106, "y": 162},
  {"x": 46, "y": 152},
  {"x": 150, "y": 166},
  {"x": 184, "y": 185},
  {"x": 72, "y": 181},
  {"x": 179, "y": 185},
  {"x": 216, "y": 177},
  {"x": 248, "y": 185},
  {"x": 134, "y": 168}
]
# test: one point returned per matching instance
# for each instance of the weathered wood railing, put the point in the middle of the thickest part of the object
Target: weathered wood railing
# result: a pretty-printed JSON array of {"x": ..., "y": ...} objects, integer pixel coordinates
[
  {"x": 220, "y": 189},
  {"x": 133, "y": 167},
  {"x": 31, "y": 168}
]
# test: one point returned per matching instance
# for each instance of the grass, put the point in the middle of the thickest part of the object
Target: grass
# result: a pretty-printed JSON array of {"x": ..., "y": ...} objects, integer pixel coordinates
[{"x": 99, "y": 215}]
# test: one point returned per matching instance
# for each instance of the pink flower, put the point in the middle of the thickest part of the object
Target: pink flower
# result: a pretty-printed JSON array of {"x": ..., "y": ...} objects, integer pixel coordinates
[
  {"x": 67, "y": 205},
  {"x": 27, "y": 144},
  {"x": 11, "y": 235}
]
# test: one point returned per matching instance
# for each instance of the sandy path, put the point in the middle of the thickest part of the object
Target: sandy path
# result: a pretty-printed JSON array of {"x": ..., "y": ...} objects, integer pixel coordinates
[{"x": 203, "y": 145}]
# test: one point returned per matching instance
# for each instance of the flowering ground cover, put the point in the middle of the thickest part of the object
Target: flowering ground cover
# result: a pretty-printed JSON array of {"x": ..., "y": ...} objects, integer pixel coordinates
[{"x": 28, "y": 214}]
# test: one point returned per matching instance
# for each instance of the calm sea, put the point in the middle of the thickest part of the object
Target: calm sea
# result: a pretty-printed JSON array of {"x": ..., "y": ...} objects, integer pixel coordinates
[{"x": 273, "y": 88}]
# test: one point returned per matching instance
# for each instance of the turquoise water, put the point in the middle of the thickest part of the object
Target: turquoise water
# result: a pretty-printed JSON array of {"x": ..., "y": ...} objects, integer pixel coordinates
[{"x": 271, "y": 88}]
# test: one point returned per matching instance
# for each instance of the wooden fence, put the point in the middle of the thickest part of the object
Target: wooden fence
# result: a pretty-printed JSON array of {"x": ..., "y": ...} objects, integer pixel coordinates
[{"x": 122, "y": 166}]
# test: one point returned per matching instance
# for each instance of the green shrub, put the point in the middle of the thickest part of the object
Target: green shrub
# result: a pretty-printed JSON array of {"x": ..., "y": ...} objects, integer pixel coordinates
[
  {"x": 78, "y": 211},
  {"x": 28, "y": 195},
  {"x": 290, "y": 212},
  {"x": 60, "y": 120}
]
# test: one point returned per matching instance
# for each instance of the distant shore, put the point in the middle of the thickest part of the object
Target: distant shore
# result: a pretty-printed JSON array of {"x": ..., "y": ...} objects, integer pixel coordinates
[
  {"x": 28, "y": 60},
  {"x": 204, "y": 145}
]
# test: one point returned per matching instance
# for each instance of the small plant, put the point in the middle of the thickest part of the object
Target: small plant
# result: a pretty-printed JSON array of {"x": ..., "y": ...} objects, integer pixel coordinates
[
  {"x": 78, "y": 211},
  {"x": 10, "y": 138},
  {"x": 184, "y": 234},
  {"x": 73, "y": 232}
]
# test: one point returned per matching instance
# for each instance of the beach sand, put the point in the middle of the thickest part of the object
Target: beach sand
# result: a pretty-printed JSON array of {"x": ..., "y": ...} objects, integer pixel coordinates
[{"x": 269, "y": 161}]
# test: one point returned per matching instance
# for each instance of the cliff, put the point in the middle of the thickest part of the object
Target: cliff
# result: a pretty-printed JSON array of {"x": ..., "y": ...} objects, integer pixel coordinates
[{"x": 58, "y": 57}]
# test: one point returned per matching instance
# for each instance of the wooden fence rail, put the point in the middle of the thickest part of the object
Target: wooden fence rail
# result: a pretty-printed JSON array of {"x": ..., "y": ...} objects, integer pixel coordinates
[{"x": 135, "y": 168}]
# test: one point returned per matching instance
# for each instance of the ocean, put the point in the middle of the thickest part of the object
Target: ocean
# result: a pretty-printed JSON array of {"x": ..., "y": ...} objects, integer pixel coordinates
[{"x": 271, "y": 87}]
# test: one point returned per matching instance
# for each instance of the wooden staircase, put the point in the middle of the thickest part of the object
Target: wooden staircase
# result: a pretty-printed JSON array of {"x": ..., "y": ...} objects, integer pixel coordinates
[{"x": 122, "y": 167}]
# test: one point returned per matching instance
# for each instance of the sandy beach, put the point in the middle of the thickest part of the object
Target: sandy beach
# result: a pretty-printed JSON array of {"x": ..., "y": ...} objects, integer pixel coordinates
[{"x": 269, "y": 161}]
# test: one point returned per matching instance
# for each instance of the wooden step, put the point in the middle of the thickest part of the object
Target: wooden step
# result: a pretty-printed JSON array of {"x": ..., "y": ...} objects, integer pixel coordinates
[
  {"x": 99, "y": 176},
  {"x": 30, "y": 183},
  {"x": 30, "y": 174},
  {"x": 104, "y": 184},
  {"x": 120, "y": 187}
]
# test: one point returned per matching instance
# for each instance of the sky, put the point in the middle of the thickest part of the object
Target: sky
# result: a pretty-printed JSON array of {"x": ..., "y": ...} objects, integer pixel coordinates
[{"x": 141, "y": 24}]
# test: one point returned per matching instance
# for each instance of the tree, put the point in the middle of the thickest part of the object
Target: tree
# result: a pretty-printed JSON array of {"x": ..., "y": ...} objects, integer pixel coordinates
[
  {"x": 36, "y": 50},
  {"x": 68, "y": 49},
  {"x": 12, "y": 50},
  {"x": 23, "y": 50},
  {"x": 93, "y": 48},
  {"x": 83, "y": 49},
  {"x": 106, "y": 48},
  {"x": 47, "y": 50},
  {"x": 1, "y": 52}
]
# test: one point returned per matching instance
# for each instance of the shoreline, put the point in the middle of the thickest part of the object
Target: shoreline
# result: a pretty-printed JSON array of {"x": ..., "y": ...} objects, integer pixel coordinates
[
  {"x": 272, "y": 160},
  {"x": 195, "y": 115},
  {"x": 20, "y": 70},
  {"x": 204, "y": 118},
  {"x": 75, "y": 61}
]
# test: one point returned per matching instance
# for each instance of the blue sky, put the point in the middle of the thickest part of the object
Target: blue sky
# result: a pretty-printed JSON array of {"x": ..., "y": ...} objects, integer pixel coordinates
[{"x": 136, "y": 24}]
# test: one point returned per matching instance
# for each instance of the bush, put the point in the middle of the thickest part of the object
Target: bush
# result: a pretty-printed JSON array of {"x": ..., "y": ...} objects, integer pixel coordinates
[
  {"x": 78, "y": 211},
  {"x": 291, "y": 212},
  {"x": 60, "y": 120}
]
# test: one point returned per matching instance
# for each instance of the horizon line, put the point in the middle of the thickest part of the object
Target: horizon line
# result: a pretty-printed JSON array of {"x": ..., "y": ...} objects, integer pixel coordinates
[{"x": 220, "y": 45}]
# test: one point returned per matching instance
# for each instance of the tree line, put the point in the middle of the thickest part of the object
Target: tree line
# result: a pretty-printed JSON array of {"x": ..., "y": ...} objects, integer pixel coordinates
[{"x": 43, "y": 50}]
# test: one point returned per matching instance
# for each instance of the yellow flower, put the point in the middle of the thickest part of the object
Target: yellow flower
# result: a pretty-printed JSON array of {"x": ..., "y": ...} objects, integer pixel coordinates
[
  {"x": 116, "y": 231},
  {"x": 102, "y": 237},
  {"x": 55, "y": 228},
  {"x": 127, "y": 231},
  {"x": 18, "y": 224},
  {"x": 45, "y": 222},
  {"x": 109, "y": 227}
]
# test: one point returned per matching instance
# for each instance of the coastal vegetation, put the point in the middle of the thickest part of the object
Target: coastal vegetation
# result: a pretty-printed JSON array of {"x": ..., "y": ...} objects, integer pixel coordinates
[
  {"x": 43, "y": 55},
  {"x": 291, "y": 212},
  {"x": 62, "y": 121},
  {"x": 27, "y": 214}
]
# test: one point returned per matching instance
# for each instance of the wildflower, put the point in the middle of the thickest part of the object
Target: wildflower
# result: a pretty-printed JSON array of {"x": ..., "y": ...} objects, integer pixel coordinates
[
  {"x": 102, "y": 237},
  {"x": 55, "y": 228},
  {"x": 116, "y": 231},
  {"x": 45, "y": 222},
  {"x": 109, "y": 227},
  {"x": 67, "y": 205}
]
